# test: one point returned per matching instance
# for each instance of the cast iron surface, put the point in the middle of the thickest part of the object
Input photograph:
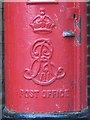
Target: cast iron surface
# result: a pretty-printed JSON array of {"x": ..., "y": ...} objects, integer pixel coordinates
[
  {"x": 45, "y": 71},
  {"x": 83, "y": 115}
]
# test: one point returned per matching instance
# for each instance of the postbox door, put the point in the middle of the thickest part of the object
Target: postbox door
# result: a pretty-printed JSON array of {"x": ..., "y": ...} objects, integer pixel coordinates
[{"x": 44, "y": 57}]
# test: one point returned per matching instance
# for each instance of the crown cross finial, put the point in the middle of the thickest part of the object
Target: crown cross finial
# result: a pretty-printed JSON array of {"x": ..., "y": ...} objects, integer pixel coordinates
[
  {"x": 42, "y": 11},
  {"x": 42, "y": 23}
]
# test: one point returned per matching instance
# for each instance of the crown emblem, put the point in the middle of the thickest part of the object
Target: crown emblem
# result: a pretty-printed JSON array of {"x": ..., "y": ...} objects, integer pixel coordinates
[{"x": 42, "y": 23}]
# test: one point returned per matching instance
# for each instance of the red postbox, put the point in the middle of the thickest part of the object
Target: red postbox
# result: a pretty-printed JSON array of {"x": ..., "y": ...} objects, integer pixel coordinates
[{"x": 45, "y": 60}]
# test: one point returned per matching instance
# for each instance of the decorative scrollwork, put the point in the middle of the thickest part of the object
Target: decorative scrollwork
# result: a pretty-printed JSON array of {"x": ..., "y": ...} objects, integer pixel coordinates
[{"x": 42, "y": 70}]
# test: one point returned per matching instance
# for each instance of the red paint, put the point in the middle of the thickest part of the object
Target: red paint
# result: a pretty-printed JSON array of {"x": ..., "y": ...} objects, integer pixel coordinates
[{"x": 45, "y": 71}]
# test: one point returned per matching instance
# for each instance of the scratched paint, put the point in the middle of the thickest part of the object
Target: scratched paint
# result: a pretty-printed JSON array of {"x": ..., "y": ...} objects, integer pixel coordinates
[{"x": 44, "y": 70}]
